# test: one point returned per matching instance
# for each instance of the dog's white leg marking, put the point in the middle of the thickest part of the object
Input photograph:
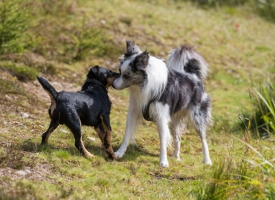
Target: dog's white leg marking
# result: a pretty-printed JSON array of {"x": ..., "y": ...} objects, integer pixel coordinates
[
  {"x": 200, "y": 115},
  {"x": 129, "y": 132},
  {"x": 162, "y": 120},
  {"x": 176, "y": 139},
  {"x": 163, "y": 130},
  {"x": 206, "y": 156},
  {"x": 131, "y": 124}
]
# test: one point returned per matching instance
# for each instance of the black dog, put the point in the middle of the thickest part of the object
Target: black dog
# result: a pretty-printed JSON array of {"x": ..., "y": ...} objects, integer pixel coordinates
[{"x": 90, "y": 106}]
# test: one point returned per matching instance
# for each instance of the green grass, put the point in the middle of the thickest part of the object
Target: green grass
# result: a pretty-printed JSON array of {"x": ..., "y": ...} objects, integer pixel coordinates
[
  {"x": 262, "y": 119},
  {"x": 69, "y": 37}
]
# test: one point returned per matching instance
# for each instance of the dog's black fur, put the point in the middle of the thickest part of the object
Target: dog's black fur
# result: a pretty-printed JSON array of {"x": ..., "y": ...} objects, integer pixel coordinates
[{"x": 90, "y": 106}]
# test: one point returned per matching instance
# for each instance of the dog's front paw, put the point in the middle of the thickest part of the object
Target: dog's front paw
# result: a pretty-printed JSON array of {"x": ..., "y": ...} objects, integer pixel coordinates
[
  {"x": 88, "y": 155},
  {"x": 112, "y": 156},
  {"x": 207, "y": 161},
  {"x": 119, "y": 154},
  {"x": 164, "y": 164}
]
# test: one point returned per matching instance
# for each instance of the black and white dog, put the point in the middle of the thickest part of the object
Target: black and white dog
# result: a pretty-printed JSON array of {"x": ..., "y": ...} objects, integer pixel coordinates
[{"x": 167, "y": 95}]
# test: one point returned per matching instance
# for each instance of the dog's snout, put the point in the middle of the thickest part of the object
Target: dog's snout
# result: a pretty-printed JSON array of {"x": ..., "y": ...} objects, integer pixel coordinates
[{"x": 113, "y": 84}]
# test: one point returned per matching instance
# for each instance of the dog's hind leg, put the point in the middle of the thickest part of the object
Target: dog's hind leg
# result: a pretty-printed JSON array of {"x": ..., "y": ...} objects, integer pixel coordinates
[
  {"x": 175, "y": 130},
  {"x": 53, "y": 125},
  {"x": 106, "y": 136},
  {"x": 73, "y": 123},
  {"x": 200, "y": 116}
]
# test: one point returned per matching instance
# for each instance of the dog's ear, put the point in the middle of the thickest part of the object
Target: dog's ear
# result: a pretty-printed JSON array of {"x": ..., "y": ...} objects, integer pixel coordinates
[
  {"x": 94, "y": 70},
  {"x": 142, "y": 60},
  {"x": 131, "y": 48}
]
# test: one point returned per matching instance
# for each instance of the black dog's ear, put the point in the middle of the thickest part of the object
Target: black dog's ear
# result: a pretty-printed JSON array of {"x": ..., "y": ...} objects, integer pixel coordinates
[
  {"x": 131, "y": 48},
  {"x": 94, "y": 69},
  {"x": 142, "y": 60}
]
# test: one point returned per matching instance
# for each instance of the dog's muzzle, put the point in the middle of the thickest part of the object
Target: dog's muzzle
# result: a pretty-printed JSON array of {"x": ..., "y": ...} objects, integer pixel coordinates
[
  {"x": 117, "y": 84},
  {"x": 113, "y": 85}
]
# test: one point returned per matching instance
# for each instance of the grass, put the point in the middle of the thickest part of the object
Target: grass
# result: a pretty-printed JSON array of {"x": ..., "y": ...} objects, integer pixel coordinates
[
  {"x": 262, "y": 119},
  {"x": 242, "y": 178},
  {"x": 237, "y": 44},
  {"x": 23, "y": 73}
]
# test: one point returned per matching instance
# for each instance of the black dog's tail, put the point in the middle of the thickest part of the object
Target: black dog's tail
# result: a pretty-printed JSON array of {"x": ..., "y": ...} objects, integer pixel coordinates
[
  {"x": 186, "y": 59},
  {"x": 48, "y": 87}
]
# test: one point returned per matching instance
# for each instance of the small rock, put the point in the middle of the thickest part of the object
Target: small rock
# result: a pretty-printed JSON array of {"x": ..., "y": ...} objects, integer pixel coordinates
[
  {"x": 8, "y": 97},
  {"x": 21, "y": 173},
  {"x": 24, "y": 115},
  {"x": 63, "y": 131},
  {"x": 90, "y": 138}
]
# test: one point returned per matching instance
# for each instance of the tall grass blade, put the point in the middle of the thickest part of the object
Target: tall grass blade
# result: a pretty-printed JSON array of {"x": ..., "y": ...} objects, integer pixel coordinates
[{"x": 265, "y": 102}]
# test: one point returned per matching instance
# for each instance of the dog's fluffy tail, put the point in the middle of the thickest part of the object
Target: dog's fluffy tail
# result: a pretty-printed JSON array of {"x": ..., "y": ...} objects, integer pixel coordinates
[
  {"x": 48, "y": 87},
  {"x": 186, "y": 59}
]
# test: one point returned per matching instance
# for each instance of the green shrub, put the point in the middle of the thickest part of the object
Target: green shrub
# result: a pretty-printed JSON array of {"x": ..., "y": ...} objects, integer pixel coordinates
[
  {"x": 56, "y": 7},
  {"x": 89, "y": 42},
  {"x": 14, "y": 24},
  {"x": 266, "y": 8},
  {"x": 22, "y": 72}
]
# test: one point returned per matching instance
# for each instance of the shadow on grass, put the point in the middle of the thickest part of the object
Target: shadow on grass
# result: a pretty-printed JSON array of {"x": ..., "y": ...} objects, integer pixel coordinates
[
  {"x": 31, "y": 146},
  {"x": 174, "y": 177},
  {"x": 34, "y": 147},
  {"x": 134, "y": 151}
]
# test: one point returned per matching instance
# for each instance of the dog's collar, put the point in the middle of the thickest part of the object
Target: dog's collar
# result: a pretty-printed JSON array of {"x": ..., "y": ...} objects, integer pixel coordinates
[{"x": 96, "y": 82}]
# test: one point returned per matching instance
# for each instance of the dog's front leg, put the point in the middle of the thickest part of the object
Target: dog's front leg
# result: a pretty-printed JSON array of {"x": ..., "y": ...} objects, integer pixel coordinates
[
  {"x": 164, "y": 133},
  {"x": 162, "y": 120},
  {"x": 107, "y": 137},
  {"x": 132, "y": 121}
]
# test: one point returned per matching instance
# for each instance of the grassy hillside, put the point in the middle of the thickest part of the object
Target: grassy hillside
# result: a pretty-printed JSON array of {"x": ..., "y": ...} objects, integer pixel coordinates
[{"x": 62, "y": 39}]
